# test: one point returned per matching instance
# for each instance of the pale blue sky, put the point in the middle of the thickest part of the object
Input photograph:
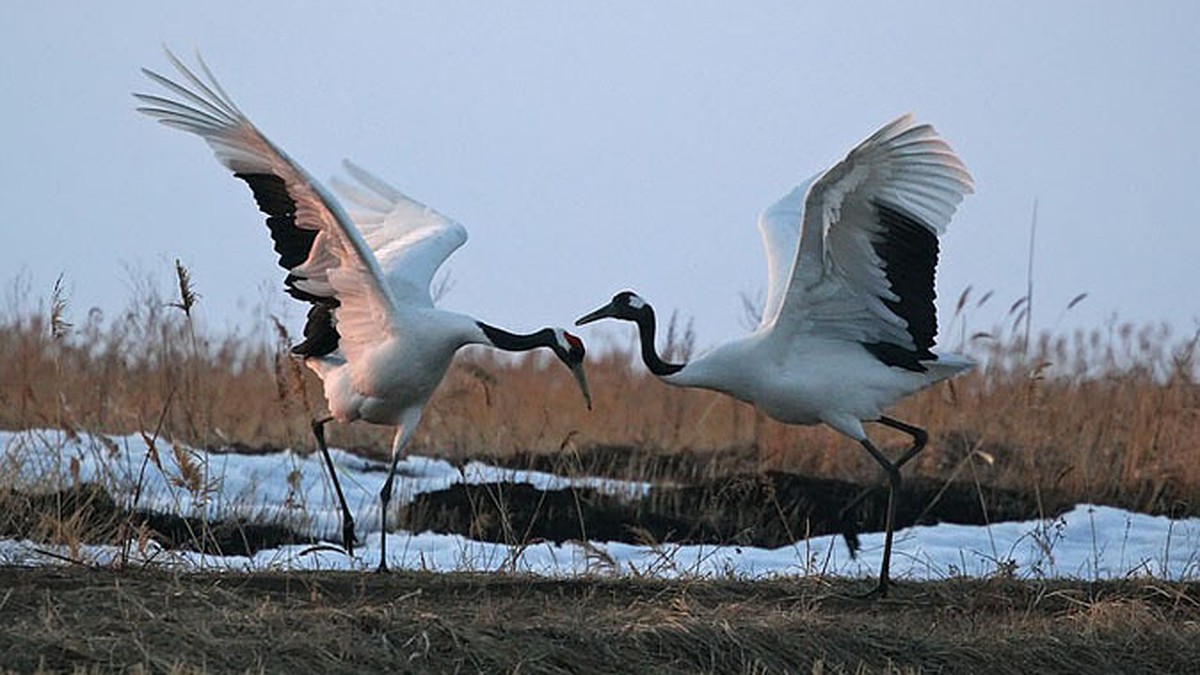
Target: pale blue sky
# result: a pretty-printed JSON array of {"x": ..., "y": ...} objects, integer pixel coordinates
[{"x": 592, "y": 148}]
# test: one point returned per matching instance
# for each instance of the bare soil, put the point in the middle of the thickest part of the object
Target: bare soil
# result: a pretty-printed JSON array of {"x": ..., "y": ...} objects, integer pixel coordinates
[
  {"x": 90, "y": 620},
  {"x": 770, "y": 510}
]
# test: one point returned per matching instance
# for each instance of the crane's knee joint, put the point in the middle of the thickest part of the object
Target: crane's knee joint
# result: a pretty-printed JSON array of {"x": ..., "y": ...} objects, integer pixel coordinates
[{"x": 920, "y": 437}]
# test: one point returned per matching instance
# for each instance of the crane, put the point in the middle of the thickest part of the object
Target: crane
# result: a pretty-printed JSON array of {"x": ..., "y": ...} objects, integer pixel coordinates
[
  {"x": 373, "y": 334},
  {"x": 849, "y": 322}
]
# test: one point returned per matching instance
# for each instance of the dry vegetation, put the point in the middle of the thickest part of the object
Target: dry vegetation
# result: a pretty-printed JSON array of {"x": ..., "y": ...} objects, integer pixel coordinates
[
  {"x": 95, "y": 620},
  {"x": 1110, "y": 416}
]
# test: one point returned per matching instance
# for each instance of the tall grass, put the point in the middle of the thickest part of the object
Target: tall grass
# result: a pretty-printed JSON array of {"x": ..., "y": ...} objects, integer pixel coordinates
[{"x": 1111, "y": 414}]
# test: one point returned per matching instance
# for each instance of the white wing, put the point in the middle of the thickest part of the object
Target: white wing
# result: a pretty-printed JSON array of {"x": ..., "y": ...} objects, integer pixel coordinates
[
  {"x": 409, "y": 239},
  {"x": 326, "y": 256},
  {"x": 779, "y": 226},
  {"x": 868, "y": 244}
]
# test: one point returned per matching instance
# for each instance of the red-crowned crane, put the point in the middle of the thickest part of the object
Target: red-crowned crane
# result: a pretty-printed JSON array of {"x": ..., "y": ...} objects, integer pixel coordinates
[
  {"x": 849, "y": 323},
  {"x": 373, "y": 334}
]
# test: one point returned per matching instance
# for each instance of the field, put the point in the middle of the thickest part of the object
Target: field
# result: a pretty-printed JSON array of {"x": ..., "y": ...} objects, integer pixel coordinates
[
  {"x": 1108, "y": 417},
  {"x": 91, "y": 620}
]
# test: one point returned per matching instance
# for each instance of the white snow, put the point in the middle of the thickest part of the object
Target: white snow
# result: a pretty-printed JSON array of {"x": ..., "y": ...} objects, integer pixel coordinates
[
  {"x": 286, "y": 486},
  {"x": 1088, "y": 542}
]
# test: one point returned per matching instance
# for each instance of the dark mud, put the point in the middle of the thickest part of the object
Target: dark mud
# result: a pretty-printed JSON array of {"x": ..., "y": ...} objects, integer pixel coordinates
[
  {"x": 88, "y": 514},
  {"x": 767, "y": 510}
]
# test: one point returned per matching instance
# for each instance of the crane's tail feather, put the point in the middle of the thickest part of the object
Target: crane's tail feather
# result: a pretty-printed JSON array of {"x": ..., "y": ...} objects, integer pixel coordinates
[{"x": 947, "y": 366}]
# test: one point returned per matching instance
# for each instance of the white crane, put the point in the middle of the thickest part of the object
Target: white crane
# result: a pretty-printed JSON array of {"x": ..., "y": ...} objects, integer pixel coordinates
[
  {"x": 373, "y": 334},
  {"x": 849, "y": 321}
]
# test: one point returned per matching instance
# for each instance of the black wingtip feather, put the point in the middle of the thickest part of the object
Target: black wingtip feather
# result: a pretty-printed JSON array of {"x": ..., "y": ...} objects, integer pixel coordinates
[
  {"x": 320, "y": 335},
  {"x": 909, "y": 251},
  {"x": 270, "y": 192},
  {"x": 294, "y": 244}
]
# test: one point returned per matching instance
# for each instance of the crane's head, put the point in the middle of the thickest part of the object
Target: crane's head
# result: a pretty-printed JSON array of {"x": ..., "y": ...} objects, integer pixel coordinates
[
  {"x": 569, "y": 349},
  {"x": 626, "y": 305}
]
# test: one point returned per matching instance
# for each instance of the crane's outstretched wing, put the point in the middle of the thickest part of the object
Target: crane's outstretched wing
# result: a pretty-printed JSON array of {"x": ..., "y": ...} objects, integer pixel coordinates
[
  {"x": 409, "y": 239},
  {"x": 329, "y": 262},
  {"x": 779, "y": 226},
  {"x": 864, "y": 264}
]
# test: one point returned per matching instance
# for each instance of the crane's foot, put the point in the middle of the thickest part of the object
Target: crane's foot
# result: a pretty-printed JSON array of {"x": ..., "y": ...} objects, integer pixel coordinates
[{"x": 878, "y": 593}]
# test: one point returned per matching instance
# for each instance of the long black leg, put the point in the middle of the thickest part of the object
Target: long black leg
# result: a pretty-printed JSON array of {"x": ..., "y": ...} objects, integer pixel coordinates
[
  {"x": 408, "y": 424},
  {"x": 385, "y": 498},
  {"x": 318, "y": 427},
  {"x": 894, "y": 480},
  {"x": 920, "y": 438}
]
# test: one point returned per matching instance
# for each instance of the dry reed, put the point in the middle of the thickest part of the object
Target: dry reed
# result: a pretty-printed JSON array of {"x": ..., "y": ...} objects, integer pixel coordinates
[{"x": 1110, "y": 414}]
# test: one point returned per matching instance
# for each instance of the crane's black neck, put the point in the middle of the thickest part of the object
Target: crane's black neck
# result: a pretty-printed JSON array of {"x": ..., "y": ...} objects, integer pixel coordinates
[
  {"x": 646, "y": 328},
  {"x": 512, "y": 342}
]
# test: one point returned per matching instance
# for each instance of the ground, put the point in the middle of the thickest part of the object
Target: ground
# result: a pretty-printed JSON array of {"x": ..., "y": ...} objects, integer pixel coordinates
[{"x": 83, "y": 619}]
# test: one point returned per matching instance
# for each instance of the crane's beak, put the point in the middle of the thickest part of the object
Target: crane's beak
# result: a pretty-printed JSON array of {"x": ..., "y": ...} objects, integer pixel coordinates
[
  {"x": 602, "y": 313},
  {"x": 581, "y": 378}
]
